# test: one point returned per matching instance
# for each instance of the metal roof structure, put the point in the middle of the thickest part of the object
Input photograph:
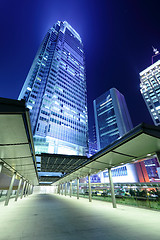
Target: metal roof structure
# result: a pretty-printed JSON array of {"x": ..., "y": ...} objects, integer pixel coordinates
[
  {"x": 16, "y": 141},
  {"x": 61, "y": 163},
  {"x": 48, "y": 179},
  {"x": 139, "y": 143}
]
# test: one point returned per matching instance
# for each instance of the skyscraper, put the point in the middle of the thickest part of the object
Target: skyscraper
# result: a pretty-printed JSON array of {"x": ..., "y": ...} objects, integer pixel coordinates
[
  {"x": 150, "y": 90},
  {"x": 112, "y": 119},
  {"x": 55, "y": 93}
]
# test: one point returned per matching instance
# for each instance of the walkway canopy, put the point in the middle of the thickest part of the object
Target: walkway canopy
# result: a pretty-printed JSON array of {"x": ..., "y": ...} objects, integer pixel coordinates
[
  {"x": 59, "y": 163},
  {"x": 16, "y": 142},
  {"x": 141, "y": 142}
]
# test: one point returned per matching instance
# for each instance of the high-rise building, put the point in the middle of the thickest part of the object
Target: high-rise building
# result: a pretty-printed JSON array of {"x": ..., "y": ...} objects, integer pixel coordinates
[
  {"x": 55, "y": 93},
  {"x": 150, "y": 90},
  {"x": 93, "y": 142},
  {"x": 112, "y": 119}
]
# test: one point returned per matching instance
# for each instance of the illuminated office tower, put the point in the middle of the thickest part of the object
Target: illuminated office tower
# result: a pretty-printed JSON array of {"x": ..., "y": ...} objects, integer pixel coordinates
[
  {"x": 150, "y": 90},
  {"x": 112, "y": 119},
  {"x": 55, "y": 93}
]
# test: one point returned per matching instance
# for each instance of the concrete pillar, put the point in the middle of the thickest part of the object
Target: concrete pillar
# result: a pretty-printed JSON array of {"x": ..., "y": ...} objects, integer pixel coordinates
[
  {"x": 19, "y": 186},
  {"x": 89, "y": 188},
  {"x": 1, "y": 166},
  {"x": 112, "y": 188},
  {"x": 65, "y": 189},
  {"x": 10, "y": 190},
  {"x": 24, "y": 184},
  {"x": 77, "y": 187},
  {"x": 70, "y": 188}
]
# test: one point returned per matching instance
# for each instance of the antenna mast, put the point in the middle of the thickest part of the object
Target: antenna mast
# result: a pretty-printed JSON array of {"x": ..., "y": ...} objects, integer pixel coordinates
[{"x": 156, "y": 52}]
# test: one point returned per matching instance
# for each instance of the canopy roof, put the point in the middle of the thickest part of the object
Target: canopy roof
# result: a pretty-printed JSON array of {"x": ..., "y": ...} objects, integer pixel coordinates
[
  {"x": 139, "y": 143},
  {"x": 16, "y": 142},
  {"x": 61, "y": 163}
]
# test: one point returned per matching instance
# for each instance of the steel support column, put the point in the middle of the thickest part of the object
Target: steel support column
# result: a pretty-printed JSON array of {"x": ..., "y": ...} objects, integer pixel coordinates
[
  {"x": 62, "y": 188},
  {"x": 19, "y": 186},
  {"x": 26, "y": 189},
  {"x": 89, "y": 188},
  {"x": 1, "y": 167},
  {"x": 32, "y": 186},
  {"x": 65, "y": 189},
  {"x": 59, "y": 188},
  {"x": 158, "y": 156},
  {"x": 70, "y": 188},
  {"x": 10, "y": 190},
  {"x": 77, "y": 187},
  {"x": 29, "y": 189},
  {"x": 112, "y": 188},
  {"x": 24, "y": 184}
]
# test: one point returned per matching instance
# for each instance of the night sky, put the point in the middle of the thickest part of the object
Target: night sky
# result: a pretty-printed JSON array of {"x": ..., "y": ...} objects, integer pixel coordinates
[{"x": 118, "y": 36}]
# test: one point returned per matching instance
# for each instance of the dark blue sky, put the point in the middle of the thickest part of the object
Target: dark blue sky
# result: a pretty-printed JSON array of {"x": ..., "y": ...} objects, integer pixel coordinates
[{"x": 118, "y": 36}]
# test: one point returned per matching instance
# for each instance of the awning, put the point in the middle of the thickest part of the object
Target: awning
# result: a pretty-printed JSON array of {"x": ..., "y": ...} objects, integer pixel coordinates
[
  {"x": 16, "y": 142},
  {"x": 139, "y": 143},
  {"x": 60, "y": 163}
]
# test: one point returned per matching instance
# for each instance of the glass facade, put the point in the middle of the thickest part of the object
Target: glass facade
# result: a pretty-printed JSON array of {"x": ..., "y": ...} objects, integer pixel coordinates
[
  {"x": 112, "y": 119},
  {"x": 55, "y": 93},
  {"x": 150, "y": 90}
]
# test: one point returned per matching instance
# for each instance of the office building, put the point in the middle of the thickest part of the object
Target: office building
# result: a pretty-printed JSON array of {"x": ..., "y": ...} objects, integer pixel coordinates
[
  {"x": 55, "y": 93},
  {"x": 150, "y": 90},
  {"x": 112, "y": 119},
  {"x": 93, "y": 142}
]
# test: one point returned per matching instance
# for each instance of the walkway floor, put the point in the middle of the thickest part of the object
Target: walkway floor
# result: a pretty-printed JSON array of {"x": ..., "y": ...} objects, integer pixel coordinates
[{"x": 54, "y": 217}]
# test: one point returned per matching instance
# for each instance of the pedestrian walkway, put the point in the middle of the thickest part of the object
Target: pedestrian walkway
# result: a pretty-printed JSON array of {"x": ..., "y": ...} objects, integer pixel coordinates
[{"x": 54, "y": 217}]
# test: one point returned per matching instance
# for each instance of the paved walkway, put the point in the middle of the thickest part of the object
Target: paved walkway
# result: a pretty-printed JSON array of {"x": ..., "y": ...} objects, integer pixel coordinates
[{"x": 54, "y": 217}]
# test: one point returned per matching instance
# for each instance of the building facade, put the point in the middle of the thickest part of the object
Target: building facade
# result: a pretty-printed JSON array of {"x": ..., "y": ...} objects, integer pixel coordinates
[
  {"x": 112, "y": 119},
  {"x": 55, "y": 93},
  {"x": 150, "y": 90}
]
